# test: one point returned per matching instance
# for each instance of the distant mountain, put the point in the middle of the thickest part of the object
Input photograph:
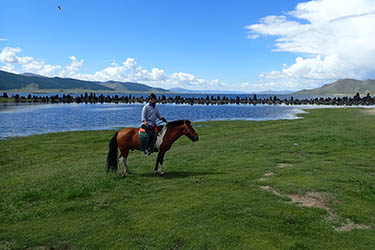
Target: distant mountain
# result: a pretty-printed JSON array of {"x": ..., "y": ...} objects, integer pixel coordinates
[
  {"x": 32, "y": 74},
  {"x": 131, "y": 86},
  {"x": 342, "y": 87},
  {"x": 32, "y": 81},
  {"x": 189, "y": 91},
  {"x": 14, "y": 81},
  {"x": 273, "y": 92}
]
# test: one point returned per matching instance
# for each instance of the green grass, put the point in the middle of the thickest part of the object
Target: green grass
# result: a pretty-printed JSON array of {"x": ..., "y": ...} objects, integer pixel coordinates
[{"x": 54, "y": 192}]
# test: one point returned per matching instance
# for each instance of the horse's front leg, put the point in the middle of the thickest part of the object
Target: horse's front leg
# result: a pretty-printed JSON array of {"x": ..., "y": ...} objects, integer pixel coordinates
[{"x": 159, "y": 169}]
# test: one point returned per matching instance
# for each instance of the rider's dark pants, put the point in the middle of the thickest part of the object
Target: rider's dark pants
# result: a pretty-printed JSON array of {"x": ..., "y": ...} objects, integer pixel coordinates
[{"x": 151, "y": 133}]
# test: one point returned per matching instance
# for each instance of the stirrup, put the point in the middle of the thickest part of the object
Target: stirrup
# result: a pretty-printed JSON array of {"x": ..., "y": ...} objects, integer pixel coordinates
[{"x": 147, "y": 151}]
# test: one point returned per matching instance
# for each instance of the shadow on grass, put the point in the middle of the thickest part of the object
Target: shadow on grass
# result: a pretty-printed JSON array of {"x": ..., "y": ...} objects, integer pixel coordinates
[{"x": 180, "y": 174}]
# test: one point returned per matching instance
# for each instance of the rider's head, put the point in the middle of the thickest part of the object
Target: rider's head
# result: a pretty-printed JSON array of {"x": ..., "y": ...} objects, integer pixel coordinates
[{"x": 152, "y": 98}]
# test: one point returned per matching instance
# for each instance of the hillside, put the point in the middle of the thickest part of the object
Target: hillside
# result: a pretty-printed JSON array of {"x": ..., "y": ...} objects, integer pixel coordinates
[
  {"x": 32, "y": 74},
  {"x": 10, "y": 81},
  {"x": 131, "y": 86},
  {"x": 342, "y": 87}
]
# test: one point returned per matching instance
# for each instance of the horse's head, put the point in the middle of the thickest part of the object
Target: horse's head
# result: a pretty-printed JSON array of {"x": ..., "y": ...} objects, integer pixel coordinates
[{"x": 189, "y": 131}]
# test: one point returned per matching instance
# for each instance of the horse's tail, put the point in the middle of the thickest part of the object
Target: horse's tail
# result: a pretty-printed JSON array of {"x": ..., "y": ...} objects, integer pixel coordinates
[{"x": 112, "y": 154}]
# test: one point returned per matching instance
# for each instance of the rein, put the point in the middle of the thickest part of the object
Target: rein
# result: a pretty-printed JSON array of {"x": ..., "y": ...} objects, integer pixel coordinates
[{"x": 187, "y": 128}]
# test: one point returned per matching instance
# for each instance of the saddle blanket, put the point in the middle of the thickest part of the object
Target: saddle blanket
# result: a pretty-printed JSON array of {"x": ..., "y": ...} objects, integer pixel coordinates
[{"x": 143, "y": 137}]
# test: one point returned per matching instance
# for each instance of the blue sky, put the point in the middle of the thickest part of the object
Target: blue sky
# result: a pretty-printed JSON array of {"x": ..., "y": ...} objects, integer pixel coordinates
[{"x": 227, "y": 45}]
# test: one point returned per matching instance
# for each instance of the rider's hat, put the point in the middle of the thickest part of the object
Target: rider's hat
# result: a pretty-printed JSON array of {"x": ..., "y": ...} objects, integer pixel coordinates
[{"x": 152, "y": 96}]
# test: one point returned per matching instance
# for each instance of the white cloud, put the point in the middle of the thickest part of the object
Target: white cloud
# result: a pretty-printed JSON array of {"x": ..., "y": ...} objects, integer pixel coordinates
[
  {"x": 9, "y": 57},
  {"x": 244, "y": 85},
  {"x": 72, "y": 69},
  {"x": 3, "y": 39},
  {"x": 129, "y": 70},
  {"x": 9, "y": 68},
  {"x": 39, "y": 67},
  {"x": 130, "y": 63},
  {"x": 335, "y": 39}
]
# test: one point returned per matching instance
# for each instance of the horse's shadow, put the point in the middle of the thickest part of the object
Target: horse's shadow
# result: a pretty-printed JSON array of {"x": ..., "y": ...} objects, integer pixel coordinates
[{"x": 180, "y": 174}]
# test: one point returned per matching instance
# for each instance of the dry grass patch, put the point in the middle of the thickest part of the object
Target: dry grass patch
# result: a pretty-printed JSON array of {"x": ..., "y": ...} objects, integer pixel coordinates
[
  {"x": 369, "y": 111},
  {"x": 349, "y": 226},
  {"x": 319, "y": 200},
  {"x": 312, "y": 199},
  {"x": 268, "y": 174},
  {"x": 284, "y": 165},
  {"x": 268, "y": 188}
]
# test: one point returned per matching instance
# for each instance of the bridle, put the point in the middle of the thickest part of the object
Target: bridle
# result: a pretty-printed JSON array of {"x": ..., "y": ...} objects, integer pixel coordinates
[{"x": 187, "y": 128}]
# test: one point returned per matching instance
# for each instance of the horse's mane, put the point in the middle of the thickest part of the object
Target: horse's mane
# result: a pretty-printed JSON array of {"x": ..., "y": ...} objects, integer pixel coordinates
[{"x": 176, "y": 123}]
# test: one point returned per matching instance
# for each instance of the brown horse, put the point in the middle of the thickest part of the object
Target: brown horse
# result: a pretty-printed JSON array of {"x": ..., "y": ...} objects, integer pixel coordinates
[{"x": 128, "y": 139}]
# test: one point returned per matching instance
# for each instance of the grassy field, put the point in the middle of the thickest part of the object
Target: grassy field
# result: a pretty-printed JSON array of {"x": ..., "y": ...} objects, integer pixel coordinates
[{"x": 297, "y": 184}]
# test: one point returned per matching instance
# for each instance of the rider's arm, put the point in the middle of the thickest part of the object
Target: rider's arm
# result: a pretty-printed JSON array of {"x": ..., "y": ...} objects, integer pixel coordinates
[{"x": 144, "y": 110}]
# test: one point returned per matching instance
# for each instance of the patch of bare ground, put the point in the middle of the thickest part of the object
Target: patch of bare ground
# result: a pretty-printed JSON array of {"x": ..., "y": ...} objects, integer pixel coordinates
[
  {"x": 284, "y": 165},
  {"x": 318, "y": 200},
  {"x": 370, "y": 111},
  {"x": 349, "y": 226},
  {"x": 268, "y": 174},
  {"x": 311, "y": 199},
  {"x": 268, "y": 188}
]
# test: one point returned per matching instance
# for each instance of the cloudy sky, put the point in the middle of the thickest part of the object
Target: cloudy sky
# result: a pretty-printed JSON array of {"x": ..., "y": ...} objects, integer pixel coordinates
[{"x": 218, "y": 45}]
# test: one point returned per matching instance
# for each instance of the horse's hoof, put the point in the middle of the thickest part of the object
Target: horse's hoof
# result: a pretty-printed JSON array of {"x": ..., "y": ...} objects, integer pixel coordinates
[
  {"x": 129, "y": 172},
  {"x": 159, "y": 173}
]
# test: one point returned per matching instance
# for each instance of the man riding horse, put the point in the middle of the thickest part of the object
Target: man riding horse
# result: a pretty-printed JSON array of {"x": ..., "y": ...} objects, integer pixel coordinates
[
  {"x": 128, "y": 139},
  {"x": 150, "y": 113}
]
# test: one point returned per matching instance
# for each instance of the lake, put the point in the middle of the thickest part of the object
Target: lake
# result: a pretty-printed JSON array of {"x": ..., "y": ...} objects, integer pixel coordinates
[{"x": 28, "y": 119}]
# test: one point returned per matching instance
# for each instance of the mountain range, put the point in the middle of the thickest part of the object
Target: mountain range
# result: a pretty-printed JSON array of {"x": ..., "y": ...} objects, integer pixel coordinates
[
  {"x": 342, "y": 87},
  {"x": 189, "y": 91},
  {"x": 32, "y": 81}
]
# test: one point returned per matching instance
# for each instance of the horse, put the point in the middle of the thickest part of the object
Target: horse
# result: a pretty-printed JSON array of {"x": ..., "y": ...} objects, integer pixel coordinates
[{"x": 128, "y": 139}]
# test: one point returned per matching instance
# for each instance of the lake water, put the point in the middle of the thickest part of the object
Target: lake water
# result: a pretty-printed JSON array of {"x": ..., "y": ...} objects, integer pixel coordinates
[{"x": 29, "y": 119}]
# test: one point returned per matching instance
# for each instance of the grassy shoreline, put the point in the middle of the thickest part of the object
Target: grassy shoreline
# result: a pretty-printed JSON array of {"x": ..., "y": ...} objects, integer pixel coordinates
[{"x": 242, "y": 186}]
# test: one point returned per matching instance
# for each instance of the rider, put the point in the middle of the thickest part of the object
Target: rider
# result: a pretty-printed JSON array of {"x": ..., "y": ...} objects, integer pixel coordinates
[{"x": 150, "y": 113}]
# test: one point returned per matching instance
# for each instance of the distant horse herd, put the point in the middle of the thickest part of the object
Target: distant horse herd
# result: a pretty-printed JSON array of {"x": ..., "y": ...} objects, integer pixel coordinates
[{"x": 208, "y": 100}]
